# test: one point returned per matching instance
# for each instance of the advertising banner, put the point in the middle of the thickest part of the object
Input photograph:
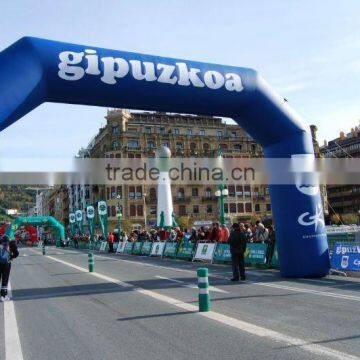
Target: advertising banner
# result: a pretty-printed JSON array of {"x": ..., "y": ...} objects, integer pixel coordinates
[
  {"x": 102, "y": 211},
  {"x": 121, "y": 247},
  {"x": 146, "y": 248},
  {"x": 346, "y": 257},
  {"x": 205, "y": 251},
  {"x": 128, "y": 247},
  {"x": 103, "y": 246},
  {"x": 157, "y": 249},
  {"x": 222, "y": 253},
  {"x": 255, "y": 253},
  {"x": 137, "y": 248},
  {"x": 90, "y": 214},
  {"x": 185, "y": 251},
  {"x": 170, "y": 249}
]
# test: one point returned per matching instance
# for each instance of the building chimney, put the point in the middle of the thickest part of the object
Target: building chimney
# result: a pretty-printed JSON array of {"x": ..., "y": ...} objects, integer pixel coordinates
[{"x": 342, "y": 135}]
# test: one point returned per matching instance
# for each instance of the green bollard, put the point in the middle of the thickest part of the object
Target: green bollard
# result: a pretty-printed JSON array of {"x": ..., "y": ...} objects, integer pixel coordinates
[
  {"x": 91, "y": 262},
  {"x": 203, "y": 284}
]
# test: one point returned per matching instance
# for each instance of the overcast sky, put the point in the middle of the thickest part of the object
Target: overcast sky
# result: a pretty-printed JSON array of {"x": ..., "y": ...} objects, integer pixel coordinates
[{"x": 309, "y": 51}]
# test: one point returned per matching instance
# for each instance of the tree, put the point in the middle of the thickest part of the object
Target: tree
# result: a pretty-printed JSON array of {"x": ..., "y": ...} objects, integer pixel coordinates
[
  {"x": 335, "y": 219},
  {"x": 183, "y": 222},
  {"x": 126, "y": 225},
  {"x": 349, "y": 218}
]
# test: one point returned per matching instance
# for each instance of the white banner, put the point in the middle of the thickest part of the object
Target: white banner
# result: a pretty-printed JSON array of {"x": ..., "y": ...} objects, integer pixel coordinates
[
  {"x": 78, "y": 215},
  {"x": 205, "y": 251},
  {"x": 102, "y": 208},
  {"x": 72, "y": 218},
  {"x": 103, "y": 246},
  {"x": 121, "y": 247},
  {"x": 90, "y": 212},
  {"x": 157, "y": 249}
]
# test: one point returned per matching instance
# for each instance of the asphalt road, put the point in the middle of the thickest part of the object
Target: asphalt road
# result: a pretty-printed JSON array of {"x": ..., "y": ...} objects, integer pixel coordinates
[{"x": 145, "y": 308}]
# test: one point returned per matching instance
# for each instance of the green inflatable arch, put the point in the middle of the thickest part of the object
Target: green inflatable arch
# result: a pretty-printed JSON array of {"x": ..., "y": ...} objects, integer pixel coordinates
[{"x": 36, "y": 221}]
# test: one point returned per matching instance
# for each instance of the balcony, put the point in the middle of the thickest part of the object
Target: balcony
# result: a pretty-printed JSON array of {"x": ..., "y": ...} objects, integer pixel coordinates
[
  {"x": 209, "y": 198},
  {"x": 182, "y": 200}
]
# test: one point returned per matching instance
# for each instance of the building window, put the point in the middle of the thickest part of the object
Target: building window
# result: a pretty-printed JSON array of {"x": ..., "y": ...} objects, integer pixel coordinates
[
  {"x": 237, "y": 147},
  {"x": 247, "y": 191},
  {"x": 239, "y": 191},
  {"x": 152, "y": 194},
  {"x": 113, "y": 192},
  {"x": 233, "y": 134},
  {"x": 181, "y": 194},
  {"x": 240, "y": 207},
  {"x": 165, "y": 143},
  {"x": 188, "y": 132},
  {"x": 206, "y": 146},
  {"x": 162, "y": 131},
  {"x": 152, "y": 210},
  {"x": 179, "y": 145},
  {"x": 115, "y": 130},
  {"x": 150, "y": 144},
  {"x": 202, "y": 132},
  {"x": 176, "y": 131},
  {"x": 132, "y": 192},
  {"x": 113, "y": 211},
  {"x": 196, "y": 209},
  {"x": 131, "y": 155},
  {"x": 268, "y": 207},
  {"x": 223, "y": 146},
  {"x": 192, "y": 146},
  {"x": 147, "y": 130},
  {"x": 208, "y": 193},
  {"x": 209, "y": 209},
  {"x": 195, "y": 192},
  {"x": 115, "y": 145},
  {"x": 248, "y": 207},
  {"x": 182, "y": 210},
  {"x": 219, "y": 133},
  {"x": 119, "y": 192},
  {"x": 133, "y": 144},
  {"x": 138, "y": 192},
  {"x": 226, "y": 208},
  {"x": 232, "y": 208},
  {"x": 107, "y": 193},
  {"x": 253, "y": 148},
  {"x": 140, "y": 210},
  {"x": 266, "y": 190},
  {"x": 257, "y": 207},
  {"x": 231, "y": 189},
  {"x": 132, "y": 210}
]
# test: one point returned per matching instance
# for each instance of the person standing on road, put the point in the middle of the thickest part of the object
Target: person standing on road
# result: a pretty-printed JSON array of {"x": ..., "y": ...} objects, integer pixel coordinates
[
  {"x": 8, "y": 251},
  {"x": 237, "y": 241},
  {"x": 111, "y": 242}
]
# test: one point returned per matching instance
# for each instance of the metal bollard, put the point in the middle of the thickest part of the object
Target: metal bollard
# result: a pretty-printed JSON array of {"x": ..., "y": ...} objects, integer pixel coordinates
[
  {"x": 203, "y": 284},
  {"x": 43, "y": 249},
  {"x": 91, "y": 262}
]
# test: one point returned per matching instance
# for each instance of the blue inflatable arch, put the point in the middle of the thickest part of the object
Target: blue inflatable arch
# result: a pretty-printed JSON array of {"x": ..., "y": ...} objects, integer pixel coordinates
[{"x": 34, "y": 71}]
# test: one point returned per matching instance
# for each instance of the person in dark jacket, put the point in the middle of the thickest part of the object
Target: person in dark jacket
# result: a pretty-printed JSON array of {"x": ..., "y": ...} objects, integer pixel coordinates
[
  {"x": 237, "y": 241},
  {"x": 8, "y": 251}
]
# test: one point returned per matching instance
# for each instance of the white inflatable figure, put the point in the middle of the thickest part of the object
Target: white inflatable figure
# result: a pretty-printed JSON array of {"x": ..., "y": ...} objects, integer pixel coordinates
[{"x": 165, "y": 208}]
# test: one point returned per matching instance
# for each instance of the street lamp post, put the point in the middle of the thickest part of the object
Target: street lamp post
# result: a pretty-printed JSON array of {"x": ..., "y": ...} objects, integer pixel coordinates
[
  {"x": 145, "y": 219},
  {"x": 119, "y": 214},
  {"x": 221, "y": 194}
]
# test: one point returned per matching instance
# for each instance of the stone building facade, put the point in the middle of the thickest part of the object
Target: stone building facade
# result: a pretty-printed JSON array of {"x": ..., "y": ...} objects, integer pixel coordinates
[{"x": 138, "y": 135}]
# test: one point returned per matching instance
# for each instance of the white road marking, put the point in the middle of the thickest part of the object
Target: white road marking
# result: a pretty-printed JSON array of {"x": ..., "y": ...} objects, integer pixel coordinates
[
  {"x": 12, "y": 340},
  {"x": 309, "y": 291},
  {"x": 267, "y": 284},
  {"x": 192, "y": 286},
  {"x": 229, "y": 321}
]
